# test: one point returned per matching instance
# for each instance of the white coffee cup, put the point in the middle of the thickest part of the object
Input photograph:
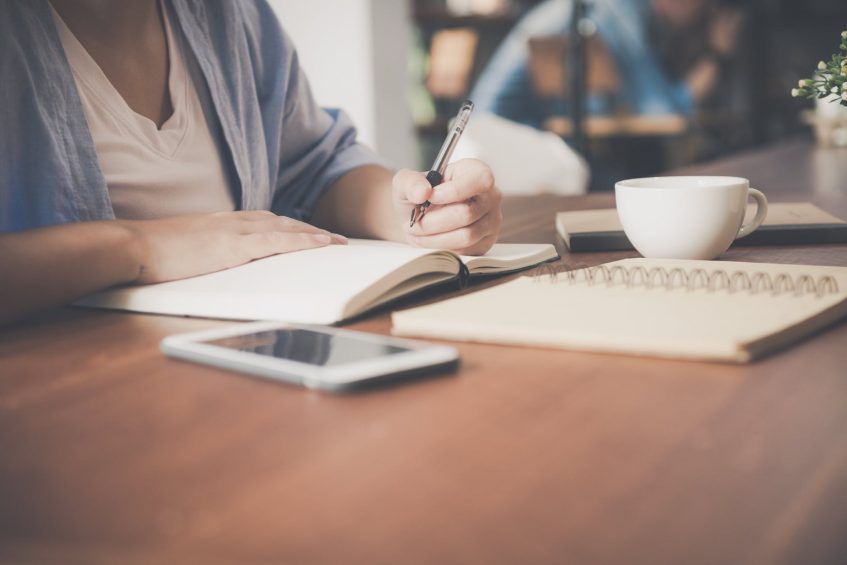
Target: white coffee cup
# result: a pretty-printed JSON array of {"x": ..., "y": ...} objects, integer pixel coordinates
[{"x": 686, "y": 217}]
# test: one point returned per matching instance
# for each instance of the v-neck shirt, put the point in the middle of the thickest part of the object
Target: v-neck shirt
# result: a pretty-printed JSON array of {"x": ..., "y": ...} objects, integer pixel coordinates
[{"x": 151, "y": 172}]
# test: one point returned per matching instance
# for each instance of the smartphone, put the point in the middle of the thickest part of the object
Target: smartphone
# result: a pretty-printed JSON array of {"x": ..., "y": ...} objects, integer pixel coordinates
[{"x": 313, "y": 356}]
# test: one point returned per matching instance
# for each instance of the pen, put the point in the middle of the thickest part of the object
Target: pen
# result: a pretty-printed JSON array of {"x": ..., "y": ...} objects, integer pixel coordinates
[{"x": 436, "y": 175}]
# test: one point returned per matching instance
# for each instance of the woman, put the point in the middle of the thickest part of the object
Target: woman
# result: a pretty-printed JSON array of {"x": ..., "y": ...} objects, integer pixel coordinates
[{"x": 146, "y": 140}]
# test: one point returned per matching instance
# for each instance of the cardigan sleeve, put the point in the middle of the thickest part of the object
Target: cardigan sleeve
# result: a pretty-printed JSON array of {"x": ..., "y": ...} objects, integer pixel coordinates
[{"x": 309, "y": 147}]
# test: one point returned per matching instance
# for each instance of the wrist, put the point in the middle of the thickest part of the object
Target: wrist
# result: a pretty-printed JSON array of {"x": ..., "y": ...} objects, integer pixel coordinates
[{"x": 135, "y": 248}]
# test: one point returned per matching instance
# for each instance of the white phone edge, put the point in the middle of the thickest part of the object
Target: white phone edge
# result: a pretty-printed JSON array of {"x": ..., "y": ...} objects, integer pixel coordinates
[{"x": 424, "y": 357}]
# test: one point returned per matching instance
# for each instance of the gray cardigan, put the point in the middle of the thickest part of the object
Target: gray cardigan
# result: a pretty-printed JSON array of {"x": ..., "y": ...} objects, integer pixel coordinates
[{"x": 283, "y": 149}]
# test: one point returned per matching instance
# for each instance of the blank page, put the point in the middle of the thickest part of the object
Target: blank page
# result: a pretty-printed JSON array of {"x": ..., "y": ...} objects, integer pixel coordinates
[{"x": 312, "y": 286}]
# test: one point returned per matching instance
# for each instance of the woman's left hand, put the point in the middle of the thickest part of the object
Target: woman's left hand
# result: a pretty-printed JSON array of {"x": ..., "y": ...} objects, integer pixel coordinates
[{"x": 465, "y": 213}]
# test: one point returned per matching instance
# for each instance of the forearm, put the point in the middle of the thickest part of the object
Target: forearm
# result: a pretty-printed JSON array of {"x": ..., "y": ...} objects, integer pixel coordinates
[
  {"x": 51, "y": 266},
  {"x": 702, "y": 78},
  {"x": 359, "y": 204}
]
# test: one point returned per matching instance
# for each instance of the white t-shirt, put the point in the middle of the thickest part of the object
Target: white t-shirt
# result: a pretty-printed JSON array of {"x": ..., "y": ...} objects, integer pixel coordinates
[{"x": 150, "y": 172}]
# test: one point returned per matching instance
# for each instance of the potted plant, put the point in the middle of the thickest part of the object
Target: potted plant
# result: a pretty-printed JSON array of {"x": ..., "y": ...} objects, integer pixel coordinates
[{"x": 828, "y": 87}]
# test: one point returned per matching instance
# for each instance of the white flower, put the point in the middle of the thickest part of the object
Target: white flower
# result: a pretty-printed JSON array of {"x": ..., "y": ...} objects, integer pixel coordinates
[
  {"x": 801, "y": 83},
  {"x": 795, "y": 92},
  {"x": 834, "y": 90},
  {"x": 821, "y": 66},
  {"x": 844, "y": 35}
]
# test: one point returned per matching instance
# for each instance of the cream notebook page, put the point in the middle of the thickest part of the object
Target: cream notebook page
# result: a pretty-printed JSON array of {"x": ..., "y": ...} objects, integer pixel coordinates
[{"x": 701, "y": 324}]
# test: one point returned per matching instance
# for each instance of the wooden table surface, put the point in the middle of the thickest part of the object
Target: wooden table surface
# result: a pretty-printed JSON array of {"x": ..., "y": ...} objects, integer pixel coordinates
[{"x": 111, "y": 453}]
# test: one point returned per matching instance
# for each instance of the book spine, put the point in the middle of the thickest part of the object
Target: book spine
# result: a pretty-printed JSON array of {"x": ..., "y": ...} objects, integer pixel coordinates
[{"x": 765, "y": 235}]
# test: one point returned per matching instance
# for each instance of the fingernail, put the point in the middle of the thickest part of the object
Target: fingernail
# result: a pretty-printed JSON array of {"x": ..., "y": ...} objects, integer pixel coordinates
[
  {"x": 340, "y": 239},
  {"x": 322, "y": 238}
]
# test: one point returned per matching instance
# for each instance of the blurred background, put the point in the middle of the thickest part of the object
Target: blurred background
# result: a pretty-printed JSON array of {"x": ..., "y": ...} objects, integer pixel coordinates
[{"x": 571, "y": 95}]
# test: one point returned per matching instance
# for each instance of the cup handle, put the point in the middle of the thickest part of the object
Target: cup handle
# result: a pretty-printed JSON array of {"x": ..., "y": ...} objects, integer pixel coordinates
[{"x": 761, "y": 214}]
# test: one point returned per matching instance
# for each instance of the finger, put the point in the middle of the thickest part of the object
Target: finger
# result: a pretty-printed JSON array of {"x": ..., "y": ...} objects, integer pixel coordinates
[
  {"x": 411, "y": 186},
  {"x": 255, "y": 215},
  {"x": 291, "y": 225},
  {"x": 286, "y": 224},
  {"x": 265, "y": 219},
  {"x": 265, "y": 244},
  {"x": 272, "y": 222},
  {"x": 466, "y": 179},
  {"x": 442, "y": 219},
  {"x": 463, "y": 238}
]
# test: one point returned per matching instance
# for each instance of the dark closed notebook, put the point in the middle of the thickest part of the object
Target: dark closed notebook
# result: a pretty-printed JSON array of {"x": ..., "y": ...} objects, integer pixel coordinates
[{"x": 788, "y": 223}]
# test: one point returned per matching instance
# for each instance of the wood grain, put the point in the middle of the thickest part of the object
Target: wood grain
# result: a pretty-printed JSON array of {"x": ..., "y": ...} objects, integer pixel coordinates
[{"x": 111, "y": 453}]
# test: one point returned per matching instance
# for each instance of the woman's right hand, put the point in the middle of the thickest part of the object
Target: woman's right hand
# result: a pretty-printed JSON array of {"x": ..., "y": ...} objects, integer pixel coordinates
[{"x": 184, "y": 246}]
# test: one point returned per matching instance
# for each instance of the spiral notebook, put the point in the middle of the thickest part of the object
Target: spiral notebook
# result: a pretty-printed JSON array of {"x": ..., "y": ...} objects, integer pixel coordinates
[{"x": 705, "y": 310}]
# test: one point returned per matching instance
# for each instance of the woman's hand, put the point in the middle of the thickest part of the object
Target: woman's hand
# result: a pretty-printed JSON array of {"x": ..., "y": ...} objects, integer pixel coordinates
[
  {"x": 179, "y": 247},
  {"x": 49, "y": 266},
  {"x": 465, "y": 213}
]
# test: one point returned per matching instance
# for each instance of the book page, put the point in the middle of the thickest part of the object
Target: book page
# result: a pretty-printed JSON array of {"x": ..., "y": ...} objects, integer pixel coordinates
[
  {"x": 502, "y": 257},
  {"x": 312, "y": 286},
  {"x": 691, "y": 323},
  {"x": 795, "y": 213},
  {"x": 509, "y": 257},
  {"x": 587, "y": 221}
]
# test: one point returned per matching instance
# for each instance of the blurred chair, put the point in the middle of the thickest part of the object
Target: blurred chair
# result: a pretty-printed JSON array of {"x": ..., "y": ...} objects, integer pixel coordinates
[
  {"x": 450, "y": 62},
  {"x": 523, "y": 159},
  {"x": 549, "y": 72},
  {"x": 548, "y": 67}
]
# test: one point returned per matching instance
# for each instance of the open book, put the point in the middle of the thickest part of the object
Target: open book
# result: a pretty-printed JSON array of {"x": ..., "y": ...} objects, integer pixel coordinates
[
  {"x": 317, "y": 286},
  {"x": 669, "y": 308}
]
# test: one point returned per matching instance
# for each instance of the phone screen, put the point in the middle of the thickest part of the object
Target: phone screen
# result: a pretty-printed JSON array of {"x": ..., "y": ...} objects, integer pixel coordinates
[{"x": 307, "y": 346}]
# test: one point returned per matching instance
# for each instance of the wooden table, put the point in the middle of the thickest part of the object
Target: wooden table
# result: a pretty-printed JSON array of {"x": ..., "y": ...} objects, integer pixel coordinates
[{"x": 111, "y": 453}]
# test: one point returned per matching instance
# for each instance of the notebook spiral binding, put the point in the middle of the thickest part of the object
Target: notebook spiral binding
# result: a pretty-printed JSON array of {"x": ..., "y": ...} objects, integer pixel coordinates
[{"x": 690, "y": 280}]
